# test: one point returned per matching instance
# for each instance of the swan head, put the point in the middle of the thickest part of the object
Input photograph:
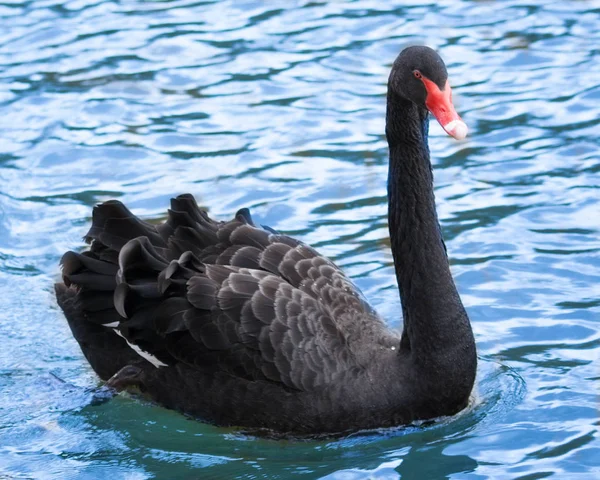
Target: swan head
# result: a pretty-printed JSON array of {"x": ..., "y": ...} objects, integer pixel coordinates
[{"x": 420, "y": 76}]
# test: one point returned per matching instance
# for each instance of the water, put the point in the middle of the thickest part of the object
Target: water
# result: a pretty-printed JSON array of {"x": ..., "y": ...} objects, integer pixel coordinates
[{"x": 282, "y": 110}]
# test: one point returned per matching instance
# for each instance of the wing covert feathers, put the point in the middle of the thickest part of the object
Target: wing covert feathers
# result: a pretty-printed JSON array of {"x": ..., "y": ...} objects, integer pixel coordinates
[{"x": 227, "y": 297}]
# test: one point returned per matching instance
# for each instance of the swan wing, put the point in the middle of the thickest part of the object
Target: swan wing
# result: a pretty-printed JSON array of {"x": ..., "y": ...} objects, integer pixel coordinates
[{"x": 225, "y": 296}]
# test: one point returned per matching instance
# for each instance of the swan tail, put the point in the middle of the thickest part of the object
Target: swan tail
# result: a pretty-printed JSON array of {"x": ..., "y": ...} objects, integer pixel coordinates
[
  {"x": 89, "y": 279},
  {"x": 105, "y": 351},
  {"x": 110, "y": 288}
]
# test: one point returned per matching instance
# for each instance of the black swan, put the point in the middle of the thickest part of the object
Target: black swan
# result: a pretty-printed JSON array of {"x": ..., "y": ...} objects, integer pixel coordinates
[{"x": 239, "y": 325}]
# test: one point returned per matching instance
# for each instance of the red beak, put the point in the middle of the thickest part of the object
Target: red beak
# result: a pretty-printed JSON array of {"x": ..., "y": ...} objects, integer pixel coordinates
[{"x": 439, "y": 103}]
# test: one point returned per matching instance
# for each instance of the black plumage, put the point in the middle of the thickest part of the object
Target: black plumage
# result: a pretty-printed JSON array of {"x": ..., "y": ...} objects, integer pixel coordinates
[{"x": 240, "y": 325}]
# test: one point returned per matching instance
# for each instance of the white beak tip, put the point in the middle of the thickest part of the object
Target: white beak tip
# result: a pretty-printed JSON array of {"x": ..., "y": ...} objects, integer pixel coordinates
[{"x": 457, "y": 128}]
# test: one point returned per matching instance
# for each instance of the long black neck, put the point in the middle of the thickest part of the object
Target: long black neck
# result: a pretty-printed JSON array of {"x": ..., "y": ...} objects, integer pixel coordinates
[{"x": 435, "y": 321}]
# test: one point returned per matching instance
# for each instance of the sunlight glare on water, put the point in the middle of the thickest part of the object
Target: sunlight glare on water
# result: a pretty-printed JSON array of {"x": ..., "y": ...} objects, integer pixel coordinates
[{"x": 249, "y": 104}]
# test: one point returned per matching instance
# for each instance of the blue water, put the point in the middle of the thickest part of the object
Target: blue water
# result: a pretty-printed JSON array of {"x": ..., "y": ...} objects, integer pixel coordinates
[{"x": 248, "y": 103}]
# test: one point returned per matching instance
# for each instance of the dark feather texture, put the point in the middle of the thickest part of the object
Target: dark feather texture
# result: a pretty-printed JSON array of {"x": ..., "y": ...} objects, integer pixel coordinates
[{"x": 268, "y": 309}]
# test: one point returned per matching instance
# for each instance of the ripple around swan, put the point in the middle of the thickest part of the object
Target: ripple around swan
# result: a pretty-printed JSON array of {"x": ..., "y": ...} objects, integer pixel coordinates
[
  {"x": 91, "y": 427},
  {"x": 282, "y": 110}
]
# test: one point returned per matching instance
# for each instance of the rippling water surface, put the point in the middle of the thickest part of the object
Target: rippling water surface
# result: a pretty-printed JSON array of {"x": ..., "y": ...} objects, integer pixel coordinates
[{"x": 248, "y": 103}]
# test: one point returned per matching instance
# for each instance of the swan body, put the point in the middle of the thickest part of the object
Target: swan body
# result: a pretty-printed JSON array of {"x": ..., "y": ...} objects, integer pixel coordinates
[{"x": 239, "y": 325}]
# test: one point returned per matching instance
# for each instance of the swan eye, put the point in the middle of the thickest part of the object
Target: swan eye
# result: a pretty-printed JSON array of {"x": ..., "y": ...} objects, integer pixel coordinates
[{"x": 417, "y": 74}]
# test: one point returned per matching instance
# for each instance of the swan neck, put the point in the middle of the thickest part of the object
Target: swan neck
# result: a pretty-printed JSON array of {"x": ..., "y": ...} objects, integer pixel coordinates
[{"x": 433, "y": 313}]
